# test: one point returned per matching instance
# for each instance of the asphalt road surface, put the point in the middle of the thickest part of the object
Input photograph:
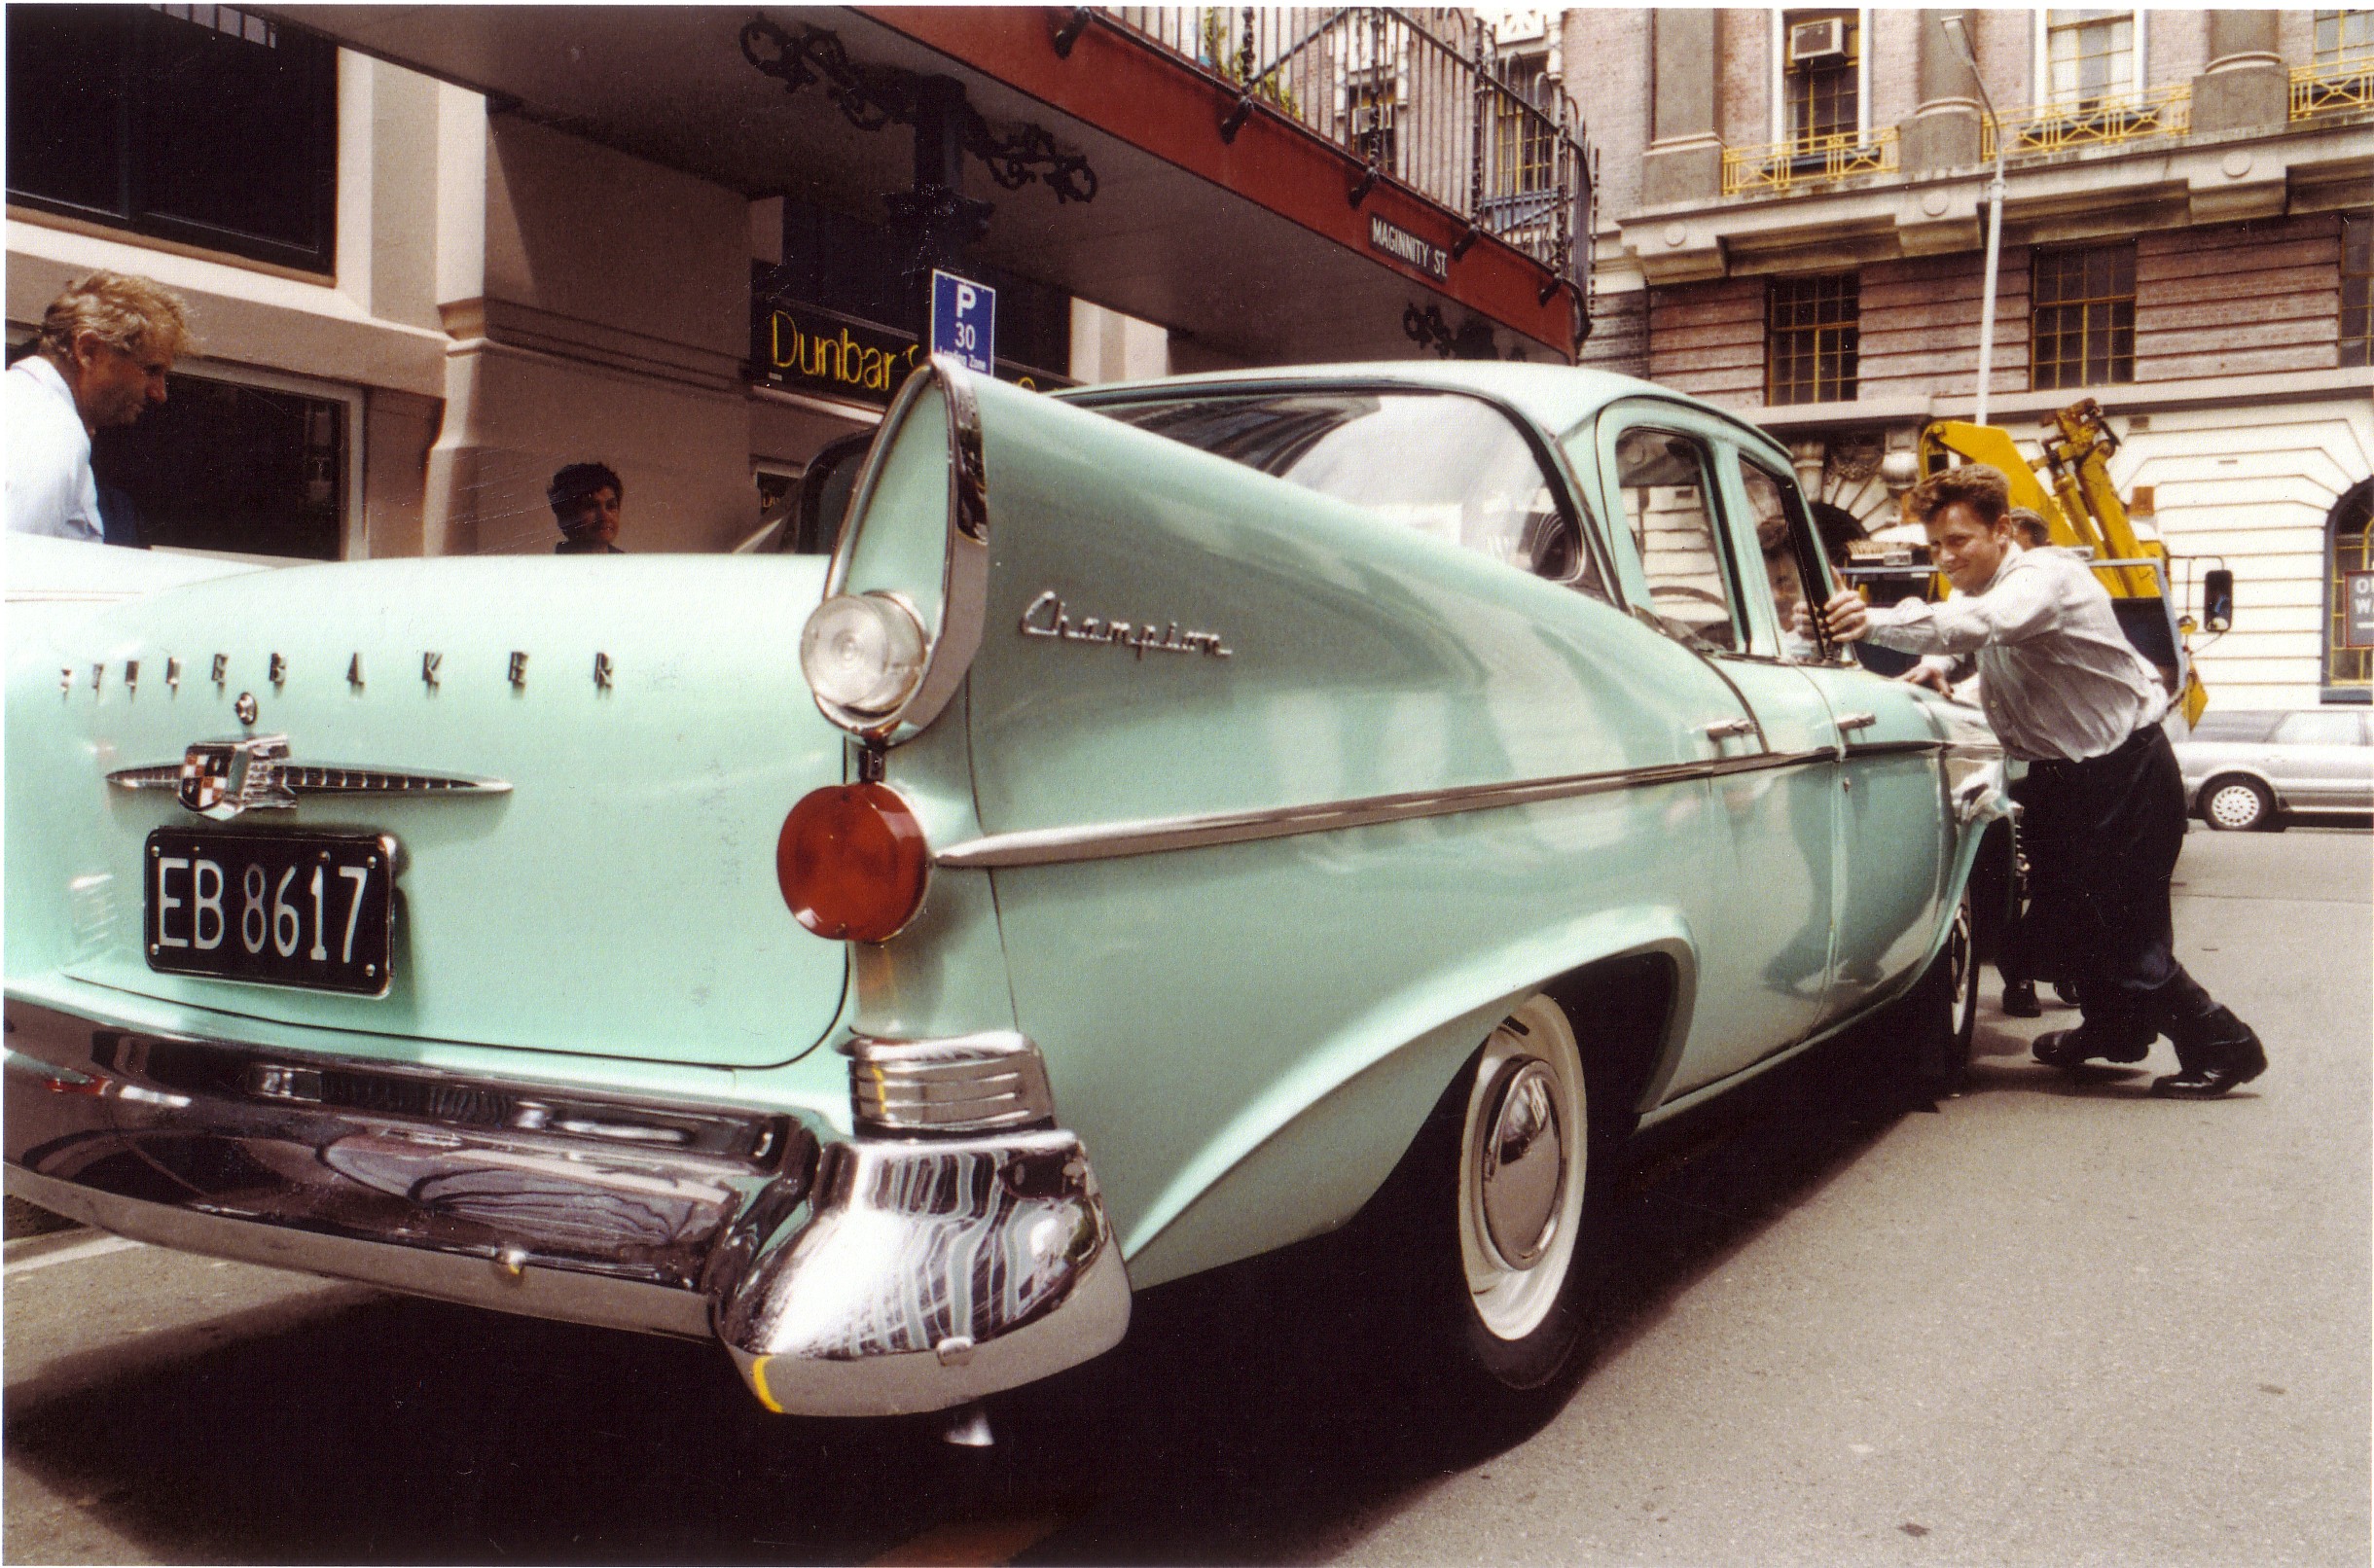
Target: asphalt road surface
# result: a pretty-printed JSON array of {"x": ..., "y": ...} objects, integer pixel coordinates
[{"x": 2051, "y": 1322}]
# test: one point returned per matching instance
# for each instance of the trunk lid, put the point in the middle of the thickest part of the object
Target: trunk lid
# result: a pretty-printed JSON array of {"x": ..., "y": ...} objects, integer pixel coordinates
[{"x": 619, "y": 900}]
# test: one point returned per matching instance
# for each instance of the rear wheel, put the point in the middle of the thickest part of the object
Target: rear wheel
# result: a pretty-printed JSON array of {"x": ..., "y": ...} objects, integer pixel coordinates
[
  {"x": 1499, "y": 1203},
  {"x": 2237, "y": 805}
]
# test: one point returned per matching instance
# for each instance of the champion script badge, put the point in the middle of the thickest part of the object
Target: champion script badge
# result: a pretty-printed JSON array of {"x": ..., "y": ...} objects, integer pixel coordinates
[{"x": 1046, "y": 618}]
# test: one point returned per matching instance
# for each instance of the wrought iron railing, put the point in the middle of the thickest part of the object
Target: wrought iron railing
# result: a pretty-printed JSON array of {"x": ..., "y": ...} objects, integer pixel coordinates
[
  {"x": 1808, "y": 160},
  {"x": 2052, "y": 127},
  {"x": 1425, "y": 98},
  {"x": 2333, "y": 86}
]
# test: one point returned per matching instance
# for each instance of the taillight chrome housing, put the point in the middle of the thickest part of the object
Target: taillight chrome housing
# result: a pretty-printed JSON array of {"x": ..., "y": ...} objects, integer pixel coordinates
[{"x": 877, "y": 666}]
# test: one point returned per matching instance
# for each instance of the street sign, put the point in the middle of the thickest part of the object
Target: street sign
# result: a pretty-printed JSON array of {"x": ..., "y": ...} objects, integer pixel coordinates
[
  {"x": 964, "y": 320},
  {"x": 2357, "y": 610}
]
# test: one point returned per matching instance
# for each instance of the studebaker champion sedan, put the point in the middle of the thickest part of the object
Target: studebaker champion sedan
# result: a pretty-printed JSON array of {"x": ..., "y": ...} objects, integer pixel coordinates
[{"x": 1175, "y": 817}]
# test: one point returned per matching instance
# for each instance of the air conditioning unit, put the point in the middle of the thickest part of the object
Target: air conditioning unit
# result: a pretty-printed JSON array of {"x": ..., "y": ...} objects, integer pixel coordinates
[{"x": 1810, "y": 43}]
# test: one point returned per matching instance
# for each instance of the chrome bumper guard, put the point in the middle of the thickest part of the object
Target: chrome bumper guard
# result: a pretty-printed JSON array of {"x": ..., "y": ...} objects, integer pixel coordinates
[{"x": 872, "y": 1276}]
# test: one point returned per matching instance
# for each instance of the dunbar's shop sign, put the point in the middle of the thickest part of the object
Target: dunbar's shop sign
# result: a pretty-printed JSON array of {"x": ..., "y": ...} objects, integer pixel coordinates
[{"x": 803, "y": 348}]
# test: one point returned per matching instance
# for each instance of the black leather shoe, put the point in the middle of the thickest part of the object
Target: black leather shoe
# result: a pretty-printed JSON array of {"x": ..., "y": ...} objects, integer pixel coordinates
[
  {"x": 2209, "y": 1071},
  {"x": 2020, "y": 1000},
  {"x": 2071, "y": 1049}
]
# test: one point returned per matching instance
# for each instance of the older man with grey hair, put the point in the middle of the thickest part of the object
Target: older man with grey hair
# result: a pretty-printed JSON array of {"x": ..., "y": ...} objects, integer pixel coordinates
[{"x": 105, "y": 347}]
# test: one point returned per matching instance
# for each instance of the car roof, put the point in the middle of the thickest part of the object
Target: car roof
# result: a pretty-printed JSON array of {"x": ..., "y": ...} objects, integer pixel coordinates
[{"x": 1556, "y": 396}]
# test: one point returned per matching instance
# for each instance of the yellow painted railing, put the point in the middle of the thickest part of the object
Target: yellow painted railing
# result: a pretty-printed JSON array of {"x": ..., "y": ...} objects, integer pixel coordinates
[
  {"x": 2050, "y": 128},
  {"x": 1807, "y": 160},
  {"x": 2318, "y": 90}
]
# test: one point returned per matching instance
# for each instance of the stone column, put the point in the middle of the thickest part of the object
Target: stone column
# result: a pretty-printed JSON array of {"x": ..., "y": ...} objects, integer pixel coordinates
[
  {"x": 1943, "y": 131},
  {"x": 1684, "y": 160},
  {"x": 2245, "y": 86}
]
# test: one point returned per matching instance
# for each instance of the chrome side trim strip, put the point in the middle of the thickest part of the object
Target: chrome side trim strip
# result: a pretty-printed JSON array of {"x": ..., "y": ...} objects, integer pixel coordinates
[
  {"x": 1896, "y": 748},
  {"x": 1112, "y": 841},
  {"x": 314, "y": 779}
]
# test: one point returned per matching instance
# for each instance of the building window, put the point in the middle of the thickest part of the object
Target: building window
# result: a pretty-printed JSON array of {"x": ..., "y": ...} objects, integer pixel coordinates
[
  {"x": 2090, "y": 56},
  {"x": 1523, "y": 140},
  {"x": 2345, "y": 37},
  {"x": 228, "y": 466},
  {"x": 198, "y": 124},
  {"x": 1825, "y": 51},
  {"x": 2084, "y": 322},
  {"x": 2358, "y": 288},
  {"x": 1812, "y": 339},
  {"x": 2349, "y": 555}
]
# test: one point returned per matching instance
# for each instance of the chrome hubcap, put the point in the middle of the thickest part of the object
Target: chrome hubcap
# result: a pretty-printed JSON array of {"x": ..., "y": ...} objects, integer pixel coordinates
[
  {"x": 1521, "y": 1169},
  {"x": 1524, "y": 1161}
]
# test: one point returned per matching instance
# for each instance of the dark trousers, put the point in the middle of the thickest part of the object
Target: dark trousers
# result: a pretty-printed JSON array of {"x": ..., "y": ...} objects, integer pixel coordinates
[{"x": 2102, "y": 838}]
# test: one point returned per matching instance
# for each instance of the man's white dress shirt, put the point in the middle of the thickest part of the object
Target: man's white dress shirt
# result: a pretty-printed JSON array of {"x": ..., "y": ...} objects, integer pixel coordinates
[
  {"x": 2057, "y": 678},
  {"x": 51, "y": 490}
]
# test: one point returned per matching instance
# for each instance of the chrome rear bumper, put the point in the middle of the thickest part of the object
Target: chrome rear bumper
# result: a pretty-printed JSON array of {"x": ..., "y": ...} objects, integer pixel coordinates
[{"x": 846, "y": 1277}]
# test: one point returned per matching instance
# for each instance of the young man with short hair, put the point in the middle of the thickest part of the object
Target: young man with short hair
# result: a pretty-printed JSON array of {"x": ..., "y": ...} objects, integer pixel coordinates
[
  {"x": 2070, "y": 696},
  {"x": 586, "y": 498},
  {"x": 105, "y": 347}
]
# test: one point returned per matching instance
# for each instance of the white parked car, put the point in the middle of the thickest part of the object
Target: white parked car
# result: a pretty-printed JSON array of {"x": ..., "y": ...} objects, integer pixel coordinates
[{"x": 2244, "y": 769}]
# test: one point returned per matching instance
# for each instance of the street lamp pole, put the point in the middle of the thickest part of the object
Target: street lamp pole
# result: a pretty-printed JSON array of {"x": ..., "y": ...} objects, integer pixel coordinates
[{"x": 1956, "y": 30}]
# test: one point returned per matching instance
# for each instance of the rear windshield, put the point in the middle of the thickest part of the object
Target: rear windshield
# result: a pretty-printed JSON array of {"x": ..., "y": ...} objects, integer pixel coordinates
[{"x": 1436, "y": 463}]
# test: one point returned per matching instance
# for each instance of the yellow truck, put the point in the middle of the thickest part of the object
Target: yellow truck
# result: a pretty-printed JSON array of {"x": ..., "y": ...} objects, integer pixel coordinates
[{"x": 2070, "y": 488}]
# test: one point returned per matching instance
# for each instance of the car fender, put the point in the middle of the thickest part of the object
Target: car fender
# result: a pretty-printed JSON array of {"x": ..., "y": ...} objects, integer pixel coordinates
[
  {"x": 1301, "y": 1157},
  {"x": 2194, "y": 802}
]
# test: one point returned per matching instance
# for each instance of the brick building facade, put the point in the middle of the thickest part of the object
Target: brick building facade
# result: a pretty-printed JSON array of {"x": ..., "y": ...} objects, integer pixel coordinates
[{"x": 1793, "y": 223}]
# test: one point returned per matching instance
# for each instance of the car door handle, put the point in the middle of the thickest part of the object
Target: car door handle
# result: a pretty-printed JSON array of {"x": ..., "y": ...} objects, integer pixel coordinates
[
  {"x": 1728, "y": 729},
  {"x": 1856, "y": 721}
]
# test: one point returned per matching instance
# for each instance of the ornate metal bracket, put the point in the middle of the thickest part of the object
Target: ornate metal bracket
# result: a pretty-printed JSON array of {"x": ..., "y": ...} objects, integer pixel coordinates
[
  {"x": 1471, "y": 340},
  {"x": 1070, "y": 33},
  {"x": 873, "y": 96}
]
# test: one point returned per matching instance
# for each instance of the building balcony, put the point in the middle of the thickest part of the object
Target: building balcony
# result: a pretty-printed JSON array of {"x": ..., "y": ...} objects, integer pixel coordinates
[
  {"x": 2056, "y": 128},
  {"x": 1782, "y": 166},
  {"x": 2333, "y": 87}
]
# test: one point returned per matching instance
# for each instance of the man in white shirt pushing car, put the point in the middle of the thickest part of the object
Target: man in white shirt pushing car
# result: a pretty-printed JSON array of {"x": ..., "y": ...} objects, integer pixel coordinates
[{"x": 2105, "y": 816}]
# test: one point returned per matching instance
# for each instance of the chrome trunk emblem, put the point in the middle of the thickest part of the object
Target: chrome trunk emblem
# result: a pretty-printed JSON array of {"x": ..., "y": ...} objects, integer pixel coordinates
[{"x": 222, "y": 778}]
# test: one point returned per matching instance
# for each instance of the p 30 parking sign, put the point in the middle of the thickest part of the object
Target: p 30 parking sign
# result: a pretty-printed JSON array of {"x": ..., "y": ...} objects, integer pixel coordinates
[{"x": 964, "y": 321}]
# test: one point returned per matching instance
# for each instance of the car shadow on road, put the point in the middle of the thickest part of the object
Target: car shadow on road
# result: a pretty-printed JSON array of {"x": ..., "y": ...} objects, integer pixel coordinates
[{"x": 1251, "y": 1416}]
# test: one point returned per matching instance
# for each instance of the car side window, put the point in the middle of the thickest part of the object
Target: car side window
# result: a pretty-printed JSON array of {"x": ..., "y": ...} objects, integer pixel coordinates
[
  {"x": 1441, "y": 464},
  {"x": 2313, "y": 727},
  {"x": 1664, "y": 481},
  {"x": 1792, "y": 570}
]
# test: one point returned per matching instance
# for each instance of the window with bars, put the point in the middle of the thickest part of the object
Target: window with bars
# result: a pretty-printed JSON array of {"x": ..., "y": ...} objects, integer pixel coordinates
[
  {"x": 2345, "y": 37},
  {"x": 2083, "y": 304},
  {"x": 206, "y": 124},
  {"x": 2358, "y": 288},
  {"x": 2090, "y": 56},
  {"x": 2349, "y": 552},
  {"x": 1523, "y": 142},
  {"x": 1812, "y": 335},
  {"x": 1825, "y": 92}
]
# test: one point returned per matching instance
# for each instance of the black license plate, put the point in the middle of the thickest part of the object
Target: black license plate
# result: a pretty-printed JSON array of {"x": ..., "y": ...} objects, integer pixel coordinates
[{"x": 309, "y": 909}]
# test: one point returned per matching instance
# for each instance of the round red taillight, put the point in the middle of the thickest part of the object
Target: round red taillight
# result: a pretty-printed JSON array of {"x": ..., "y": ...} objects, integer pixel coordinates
[{"x": 851, "y": 862}]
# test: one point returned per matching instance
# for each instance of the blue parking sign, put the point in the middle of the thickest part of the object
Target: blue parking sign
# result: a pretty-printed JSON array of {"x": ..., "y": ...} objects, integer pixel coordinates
[{"x": 964, "y": 321}]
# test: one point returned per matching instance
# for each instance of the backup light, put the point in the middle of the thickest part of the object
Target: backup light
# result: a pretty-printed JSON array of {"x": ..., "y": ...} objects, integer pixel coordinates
[
  {"x": 863, "y": 652},
  {"x": 851, "y": 861}
]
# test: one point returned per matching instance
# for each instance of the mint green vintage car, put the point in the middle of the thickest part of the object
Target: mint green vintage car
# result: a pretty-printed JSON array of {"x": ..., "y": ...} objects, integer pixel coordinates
[{"x": 1176, "y": 819}]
